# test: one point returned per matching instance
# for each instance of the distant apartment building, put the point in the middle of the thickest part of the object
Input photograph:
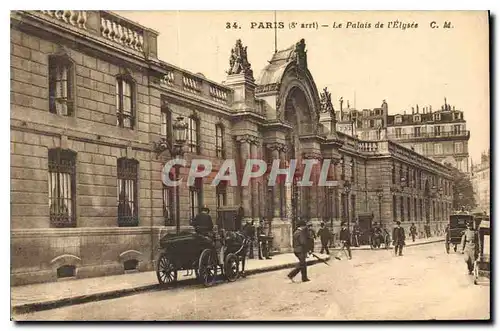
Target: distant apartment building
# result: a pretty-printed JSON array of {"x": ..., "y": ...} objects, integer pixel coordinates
[
  {"x": 481, "y": 182},
  {"x": 441, "y": 135}
]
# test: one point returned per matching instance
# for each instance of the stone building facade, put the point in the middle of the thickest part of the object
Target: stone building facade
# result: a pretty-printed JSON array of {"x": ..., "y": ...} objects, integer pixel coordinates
[
  {"x": 481, "y": 182},
  {"x": 89, "y": 102},
  {"x": 441, "y": 134}
]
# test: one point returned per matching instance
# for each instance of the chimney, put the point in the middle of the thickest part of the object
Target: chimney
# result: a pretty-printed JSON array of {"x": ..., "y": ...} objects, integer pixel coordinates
[
  {"x": 417, "y": 108},
  {"x": 413, "y": 110},
  {"x": 430, "y": 109}
]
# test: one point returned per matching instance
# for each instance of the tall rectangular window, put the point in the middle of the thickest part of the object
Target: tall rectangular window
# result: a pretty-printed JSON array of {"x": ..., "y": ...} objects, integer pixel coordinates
[
  {"x": 408, "y": 202},
  {"x": 437, "y": 130},
  {"x": 168, "y": 205},
  {"x": 456, "y": 129},
  {"x": 61, "y": 95},
  {"x": 402, "y": 208},
  {"x": 438, "y": 149},
  {"x": 193, "y": 135},
  {"x": 415, "y": 209},
  {"x": 166, "y": 123},
  {"x": 398, "y": 132},
  {"x": 219, "y": 141},
  {"x": 221, "y": 193},
  {"x": 459, "y": 148},
  {"x": 62, "y": 187},
  {"x": 394, "y": 208},
  {"x": 417, "y": 131},
  {"x": 195, "y": 198},
  {"x": 125, "y": 103},
  {"x": 127, "y": 170}
]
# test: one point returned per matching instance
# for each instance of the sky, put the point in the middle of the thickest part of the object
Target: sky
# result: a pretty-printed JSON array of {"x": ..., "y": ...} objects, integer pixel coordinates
[{"x": 364, "y": 65}]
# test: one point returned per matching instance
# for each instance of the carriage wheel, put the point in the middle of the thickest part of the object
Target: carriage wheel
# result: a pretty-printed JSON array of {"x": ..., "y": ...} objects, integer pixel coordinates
[
  {"x": 207, "y": 267},
  {"x": 231, "y": 267},
  {"x": 447, "y": 247},
  {"x": 166, "y": 272}
]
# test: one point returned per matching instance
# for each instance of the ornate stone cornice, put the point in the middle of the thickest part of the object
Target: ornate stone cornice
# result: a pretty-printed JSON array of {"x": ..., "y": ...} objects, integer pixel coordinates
[
  {"x": 268, "y": 88},
  {"x": 276, "y": 146},
  {"x": 312, "y": 155},
  {"x": 247, "y": 138}
]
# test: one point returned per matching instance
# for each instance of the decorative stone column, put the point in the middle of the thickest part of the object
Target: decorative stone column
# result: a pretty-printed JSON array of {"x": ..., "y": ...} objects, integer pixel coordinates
[
  {"x": 246, "y": 194},
  {"x": 254, "y": 187}
]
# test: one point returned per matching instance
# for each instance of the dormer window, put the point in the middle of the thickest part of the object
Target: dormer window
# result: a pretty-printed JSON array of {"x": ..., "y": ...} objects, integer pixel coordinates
[
  {"x": 416, "y": 118},
  {"x": 437, "y": 117},
  {"x": 398, "y": 119}
]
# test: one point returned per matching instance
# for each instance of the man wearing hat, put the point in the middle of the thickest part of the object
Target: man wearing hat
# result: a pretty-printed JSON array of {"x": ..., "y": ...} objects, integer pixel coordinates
[
  {"x": 202, "y": 223},
  {"x": 312, "y": 236},
  {"x": 324, "y": 235},
  {"x": 345, "y": 240},
  {"x": 300, "y": 249},
  {"x": 469, "y": 241},
  {"x": 398, "y": 237}
]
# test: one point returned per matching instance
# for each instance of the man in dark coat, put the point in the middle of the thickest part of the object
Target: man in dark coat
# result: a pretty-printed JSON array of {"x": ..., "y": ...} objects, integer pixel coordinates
[
  {"x": 263, "y": 242},
  {"x": 413, "y": 231},
  {"x": 324, "y": 235},
  {"x": 398, "y": 237},
  {"x": 249, "y": 232},
  {"x": 300, "y": 249},
  {"x": 345, "y": 241},
  {"x": 356, "y": 232},
  {"x": 312, "y": 237},
  {"x": 469, "y": 245},
  {"x": 202, "y": 223}
]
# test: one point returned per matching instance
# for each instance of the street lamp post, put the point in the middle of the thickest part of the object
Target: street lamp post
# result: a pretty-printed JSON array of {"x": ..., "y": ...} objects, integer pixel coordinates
[
  {"x": 176, "y": 150},
  {"x": 347, "y": 191},
  {"x": 380, "y": 194}
]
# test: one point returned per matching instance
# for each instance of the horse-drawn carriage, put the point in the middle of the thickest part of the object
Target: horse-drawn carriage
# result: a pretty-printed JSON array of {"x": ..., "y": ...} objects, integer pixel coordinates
[
  {"x": 220, "y": 253},
  {"x": 456, "y": 227}
]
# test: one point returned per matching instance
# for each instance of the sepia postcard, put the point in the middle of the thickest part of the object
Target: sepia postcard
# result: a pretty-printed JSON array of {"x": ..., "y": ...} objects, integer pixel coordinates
[{"x": 249, "y": 165}]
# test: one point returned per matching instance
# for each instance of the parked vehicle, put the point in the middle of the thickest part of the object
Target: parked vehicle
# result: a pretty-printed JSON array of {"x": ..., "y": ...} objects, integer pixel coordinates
[
  {"x": 456, "y": 226},
  {"x": 208, "y": 257},
  {"x": 482, "y": 263}
]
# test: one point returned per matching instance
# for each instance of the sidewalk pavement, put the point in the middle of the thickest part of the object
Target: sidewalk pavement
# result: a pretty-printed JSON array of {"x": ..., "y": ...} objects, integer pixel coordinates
[
  {"x": 45, "y": 296},
  {"x": 69, "y": 292},
  {"x": 408, "y": 242}
]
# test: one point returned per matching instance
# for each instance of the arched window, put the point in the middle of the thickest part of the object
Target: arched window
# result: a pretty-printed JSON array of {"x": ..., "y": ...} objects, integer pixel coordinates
[
  {"x": 62, "y": 187},
  {"x": 219, "y": 141},
  {"x": 125, "y": 101},
  {"x": 127, "y": 170},
  {"x": 61, "y": 85}
]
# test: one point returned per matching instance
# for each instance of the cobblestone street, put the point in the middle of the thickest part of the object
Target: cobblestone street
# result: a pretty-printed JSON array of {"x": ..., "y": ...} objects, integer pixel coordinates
[{"x": 425, "y": 283}]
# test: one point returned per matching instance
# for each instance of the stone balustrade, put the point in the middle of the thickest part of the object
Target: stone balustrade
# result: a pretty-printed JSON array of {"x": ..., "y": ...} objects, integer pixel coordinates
[
  {"x": 191, "y": 84},
  {"x": 77, "y": 18},
  {"x": 114, "y": 29},
  {"x": 218, "y": 94},
  {"x": 168, "y": 79}
]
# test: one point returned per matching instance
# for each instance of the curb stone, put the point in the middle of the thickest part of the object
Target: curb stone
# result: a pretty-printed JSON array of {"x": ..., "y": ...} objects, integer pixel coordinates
[{"x": 64, "y": 302}]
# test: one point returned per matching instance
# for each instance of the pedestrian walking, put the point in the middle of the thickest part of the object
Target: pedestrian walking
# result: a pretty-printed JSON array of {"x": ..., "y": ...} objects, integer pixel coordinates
[
  {"x": 469, "y": 242},
  {"x": 324, "y": 235},
  {"x": 398, "y": 237},
  {"x": 413, "y": 231},
  {"x": 345, "y": 242},
  {"x": 356, "y": 231},
  {"x": 300, "y": 249},
  {"x": 312, "y": 237}
]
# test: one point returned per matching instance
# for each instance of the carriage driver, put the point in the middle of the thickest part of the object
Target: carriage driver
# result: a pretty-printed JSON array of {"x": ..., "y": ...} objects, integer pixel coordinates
[{"x": 202, "y": 223}]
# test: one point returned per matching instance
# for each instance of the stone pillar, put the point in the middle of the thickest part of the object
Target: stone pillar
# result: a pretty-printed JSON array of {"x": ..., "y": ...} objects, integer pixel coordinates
[
  {"x": 282, "y": 184},
  {"x": 312, "y": 191},
  {"x": 246, "y": 195},
  {"x": 276, "y": 193},
  {"x": 254, "y": 187}
]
